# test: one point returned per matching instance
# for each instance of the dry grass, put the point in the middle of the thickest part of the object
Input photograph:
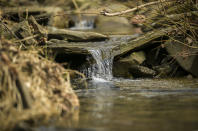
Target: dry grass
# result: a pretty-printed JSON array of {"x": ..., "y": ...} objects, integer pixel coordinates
[{"x": 32, "y": 88}]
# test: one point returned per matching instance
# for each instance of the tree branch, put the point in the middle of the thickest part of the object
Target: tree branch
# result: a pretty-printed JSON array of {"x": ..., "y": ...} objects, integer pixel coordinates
[{"x": 105, "y": 13}]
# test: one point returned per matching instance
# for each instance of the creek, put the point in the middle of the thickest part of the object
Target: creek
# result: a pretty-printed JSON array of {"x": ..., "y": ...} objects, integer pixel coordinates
[
  {"x": 113, "y": 104},
  {"x": 117, "y": 104}
]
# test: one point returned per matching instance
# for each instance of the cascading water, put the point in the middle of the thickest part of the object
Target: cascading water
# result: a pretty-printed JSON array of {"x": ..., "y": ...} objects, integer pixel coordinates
[
  {"x": 83, "y": 22},
  {"x": 83, "y": 25},
  {"x": 102, "y": 69}
]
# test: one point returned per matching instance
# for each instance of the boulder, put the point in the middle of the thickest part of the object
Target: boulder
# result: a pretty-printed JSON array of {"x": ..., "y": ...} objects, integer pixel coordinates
[
  {"x": 184, "y": 54},
  {"x": 135, "y": 58},
  {"x": 141, "y": 71},
  {"x": 113, "y": 25},
  {"x": 121, "y": 67}
]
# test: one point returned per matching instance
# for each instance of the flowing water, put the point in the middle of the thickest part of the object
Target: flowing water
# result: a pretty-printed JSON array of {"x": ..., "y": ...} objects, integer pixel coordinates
[
  {"x": 140, "y": 105},
  {"x": 111, "y": 104},
  {"x": 135, "y": 105},
  {"x": 102, "y": 69}
]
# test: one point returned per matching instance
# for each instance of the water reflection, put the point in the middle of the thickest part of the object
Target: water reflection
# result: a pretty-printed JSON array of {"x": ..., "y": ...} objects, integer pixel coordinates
[
  {"x": 140, "y": 105},
  {"x": 137, "y": 105}
]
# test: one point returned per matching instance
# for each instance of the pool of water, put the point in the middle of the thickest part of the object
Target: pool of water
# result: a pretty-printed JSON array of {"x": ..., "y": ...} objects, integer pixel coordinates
[
  {"x": 140, "y": 105},
  {"x": 137, "y": 105}
]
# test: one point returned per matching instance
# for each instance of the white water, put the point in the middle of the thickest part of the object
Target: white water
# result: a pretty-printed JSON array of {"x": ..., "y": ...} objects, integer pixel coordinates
[
  {"x": 102, "y": 69},
  {"x": 83, "y": 25}
]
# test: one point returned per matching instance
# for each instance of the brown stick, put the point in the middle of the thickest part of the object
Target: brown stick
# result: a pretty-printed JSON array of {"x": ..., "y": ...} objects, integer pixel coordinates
[
  {"x": 27, "y": 38},
  {"x": 105, "y": 13}
]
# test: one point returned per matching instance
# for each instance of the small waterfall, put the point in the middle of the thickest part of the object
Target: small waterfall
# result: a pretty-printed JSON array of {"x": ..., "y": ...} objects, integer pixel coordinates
[
  {"x": 102, "y": 69},
  {"x": 83, "y": 25}
]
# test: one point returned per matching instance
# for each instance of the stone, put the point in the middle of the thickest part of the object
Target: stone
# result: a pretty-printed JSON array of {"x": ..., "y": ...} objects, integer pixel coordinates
[
  {"x": 74, "y": 35},
  {"x": 121, "y": 67},
  {"x": 113, "y": 25},
  {"x": 135, "y": 58},
  {"x": 186, "y": 56},
  {"x": 163, "y": 71},
  {"x": 141, "y": 71}
]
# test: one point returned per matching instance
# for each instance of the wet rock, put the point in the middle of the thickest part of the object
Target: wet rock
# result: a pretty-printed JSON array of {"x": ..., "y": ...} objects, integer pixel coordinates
[
  {"x": 121, "y": 67},
  {"x": 186, "y": 56},
  {"x": 62, "y": 34},
  {"x": 141, "y": 71},
  {"x": 113, "y": 25},
  {"x": 63, "y": 46},
  {"x": 135, "y": 58},
  {"x": 163, "y": 70},
  {"x": 120, "y": 44},
  {"x": 189, "y": 76}
]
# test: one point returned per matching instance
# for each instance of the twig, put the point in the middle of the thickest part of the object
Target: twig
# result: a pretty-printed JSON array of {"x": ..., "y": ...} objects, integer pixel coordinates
[
  {"x": 105, "y": 13},
  {"x": 27, "y": 38},
  {"x": 193, "y": 47},
  {"x": 8, "y": 29},
  {"x": 77, "y": 9}
]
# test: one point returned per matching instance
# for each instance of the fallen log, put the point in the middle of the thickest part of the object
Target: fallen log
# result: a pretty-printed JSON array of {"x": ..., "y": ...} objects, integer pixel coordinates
[
  {"x": 142, "y": 41},
  {"x": 62, "y": 46}
]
